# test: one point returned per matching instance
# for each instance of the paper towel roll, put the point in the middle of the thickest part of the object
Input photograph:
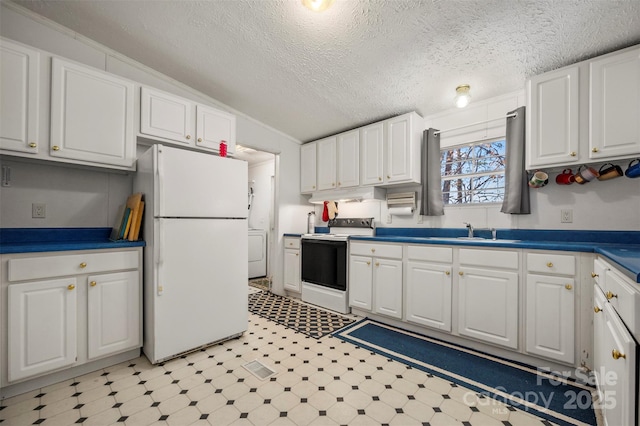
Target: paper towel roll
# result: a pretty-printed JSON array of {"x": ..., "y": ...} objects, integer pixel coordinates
[{"x": 401, "y": 211}]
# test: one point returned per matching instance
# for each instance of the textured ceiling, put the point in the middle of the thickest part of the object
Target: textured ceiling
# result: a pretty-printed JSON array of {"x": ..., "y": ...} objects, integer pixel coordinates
[{"x": 310, "y": 75}]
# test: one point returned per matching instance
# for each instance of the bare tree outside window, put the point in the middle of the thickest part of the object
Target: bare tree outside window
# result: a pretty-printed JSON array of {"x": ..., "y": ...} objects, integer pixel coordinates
[{"x": 473, "y": 173}]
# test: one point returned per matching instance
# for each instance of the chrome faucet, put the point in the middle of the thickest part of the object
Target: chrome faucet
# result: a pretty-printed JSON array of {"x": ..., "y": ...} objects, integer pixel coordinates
[
  {"x": 470, "y": 228},
  {"x": 494, "y": 233}
]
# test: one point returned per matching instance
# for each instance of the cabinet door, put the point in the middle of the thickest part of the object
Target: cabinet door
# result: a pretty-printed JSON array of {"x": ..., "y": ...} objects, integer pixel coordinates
[
  {"x": 326, "y": 163},
  {"x": 360, "y": 282},
  {"x": 615, "y": 105},
  {"x": 619, "y": 355},
  {"x": 429, "y": 295},
  {"x": 488, "y": 305},
  {"x": 214, "y": 126},
  {"x": 552, "y": 119},
  {"x": 550, "y": 317},
  {"x": 348, "y": 146},
  {"x": 598, "y": 334},
  {"x": 402, "y": 154},
  {"x": 371, "y": 154},
  {"x": 91, "y": 115},
  {"x": 113, "y": 313},
  {"x": 387, "y": 279},
  {"x": 292, "y": 270},
  {"x": 19, "y": 86},
  {"x": 166, "y": 116},
  {"x": 308, "y": 167},
  {"x": 42, "y": 327}
]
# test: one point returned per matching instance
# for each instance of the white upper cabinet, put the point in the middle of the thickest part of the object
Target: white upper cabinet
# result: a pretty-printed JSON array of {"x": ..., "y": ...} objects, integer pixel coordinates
[
  {"x": 214, "y": 126},
  {"x": 178, "y": 120},
  {"x": 404, "y": 135},
  {"x": 308, "y": 163},
  {"x": 553, "y": 125},
  {"x": 91, "y": 115},
  {"x": 19, "y": 89},
  {"x": 348, "y": 148},
  {"x": 371, "y": 154},
  {"x": 614, "y": 85},
  {"x": 326, "y": 171},
  {"x": 166, "y": 116},
  {"x": 585, "y": 113}
]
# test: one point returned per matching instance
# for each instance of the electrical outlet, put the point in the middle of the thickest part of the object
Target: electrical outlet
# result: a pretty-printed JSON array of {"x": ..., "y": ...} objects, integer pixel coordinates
[
  {"x": 566, "y": 216},
  {"x": 38, "y": 210},
  {"x": 388, "y": 218}
]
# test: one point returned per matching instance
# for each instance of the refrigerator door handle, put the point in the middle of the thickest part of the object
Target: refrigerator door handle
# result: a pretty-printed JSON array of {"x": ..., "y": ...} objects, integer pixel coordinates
[
  {"x": 160, "y": 194},
  {"x": 159, "y": 257}
]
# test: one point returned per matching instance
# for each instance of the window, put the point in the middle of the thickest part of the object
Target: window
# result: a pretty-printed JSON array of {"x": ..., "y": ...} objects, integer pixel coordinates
[{"x": 473, "y": 173}]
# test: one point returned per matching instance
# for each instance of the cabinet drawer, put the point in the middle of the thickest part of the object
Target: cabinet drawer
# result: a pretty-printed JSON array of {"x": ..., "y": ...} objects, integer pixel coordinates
[
  {"x": 62, "y": 265},
  {"x": 489, "y": 258},
  {"x": 377, "y": 250},
  {"x": 600, "y": 268},
  {"x": 625, "y": 298},
  {"x": 430, "y": 254},
  {"x": 292, "y": 243},
  {"x": 562, "y": 264}
]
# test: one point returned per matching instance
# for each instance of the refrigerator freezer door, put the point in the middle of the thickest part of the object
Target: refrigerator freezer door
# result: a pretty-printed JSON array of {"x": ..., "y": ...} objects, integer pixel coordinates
[
  {"x": 200, "y": 292},
  {"x": 194, "y": 184}
]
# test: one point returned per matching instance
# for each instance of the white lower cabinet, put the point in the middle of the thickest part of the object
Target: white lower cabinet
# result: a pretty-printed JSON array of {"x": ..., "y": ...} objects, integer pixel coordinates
[
  {"x": 41, "y": 327},
  {"x": 375, "y": 278},
  {"x": 87, "y": 306},
  {"x": 292, "y": 264},
  {"x": 429, "y": 286},
  {"x": 488, "y": 305},
  {"x": 387, "y": 287},
  {"x": 113, "y": 321},
  {"x": 550, "y": 317}
]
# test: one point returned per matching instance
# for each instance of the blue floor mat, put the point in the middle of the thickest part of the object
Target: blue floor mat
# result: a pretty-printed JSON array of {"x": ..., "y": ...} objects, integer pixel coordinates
[{"x": 560, "y": 401}]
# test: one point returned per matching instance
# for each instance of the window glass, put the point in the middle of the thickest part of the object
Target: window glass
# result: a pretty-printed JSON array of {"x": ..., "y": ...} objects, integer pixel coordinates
[{"x": 473, "y": 173}]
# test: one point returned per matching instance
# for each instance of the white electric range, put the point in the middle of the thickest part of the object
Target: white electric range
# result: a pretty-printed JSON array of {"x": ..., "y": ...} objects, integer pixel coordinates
[{"x": 325, "y": 266}]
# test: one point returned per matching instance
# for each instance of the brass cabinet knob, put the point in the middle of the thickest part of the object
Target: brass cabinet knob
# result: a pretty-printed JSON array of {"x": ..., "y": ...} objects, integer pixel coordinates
[
  {"x": 83, "y": 265},
  {"x": 71, "y": 286},
  {"x": 573, "y": 154},
  {"x": 93, "y": 283},
  {"x": 593, "y": 275},
  {"x": 388, "y": 177},
  {"x": 377, "y": 263},
  {"x": 339, "y": 184},
  {"x": 55, "y": 148},
  {"x": 568, "y": 286},
  {"x": 33, "y": 145},
  {"x": 373, "y": 250},
  {"x": 550, "y": 265},
  {"x": 460, "y": 273},
  {"x": 314, "y": 187},
  {"x": 333, "y": 184},
  {"x": 447, "y": 273},
  {"x": 297, "y": 254},
  {"x": 596, "y": 309},
  {"x": 199, "y": 139},
  {"x": 188, "y": 137},
  {"x": 290, "y": 244},
  {"x": 368, "y": 263},
  {"x": 610, "y": 295},
  {"x": 594, "y": 149},
  {"x": 617, "y": 355},
  {"x": 379, "y": 179}
]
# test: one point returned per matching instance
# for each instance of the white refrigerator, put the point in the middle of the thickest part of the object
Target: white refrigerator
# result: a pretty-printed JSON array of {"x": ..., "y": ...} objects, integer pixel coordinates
[{"x": 195, "y": 259}]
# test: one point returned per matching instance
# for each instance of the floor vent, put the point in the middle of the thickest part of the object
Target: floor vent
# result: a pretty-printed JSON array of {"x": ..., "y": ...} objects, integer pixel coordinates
[{"x": 259, "y": 370}]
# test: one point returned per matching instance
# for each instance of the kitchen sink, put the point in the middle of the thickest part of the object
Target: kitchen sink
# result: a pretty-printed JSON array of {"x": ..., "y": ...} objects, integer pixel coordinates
[{"x": 479, "y": 239}]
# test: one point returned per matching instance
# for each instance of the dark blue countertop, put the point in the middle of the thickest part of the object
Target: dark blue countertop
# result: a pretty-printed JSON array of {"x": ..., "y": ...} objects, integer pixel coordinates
[
  {"x": 32, "y": 240},
  {"x": 621, "y": 247}
]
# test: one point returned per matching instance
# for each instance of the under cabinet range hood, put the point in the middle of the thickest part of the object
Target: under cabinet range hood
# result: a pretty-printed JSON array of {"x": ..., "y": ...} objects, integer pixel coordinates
[{"x": 348, "y": 195}]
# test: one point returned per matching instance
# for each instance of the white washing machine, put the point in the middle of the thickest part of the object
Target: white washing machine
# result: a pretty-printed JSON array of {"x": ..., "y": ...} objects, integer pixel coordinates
[{"x": 257, "y": 253}]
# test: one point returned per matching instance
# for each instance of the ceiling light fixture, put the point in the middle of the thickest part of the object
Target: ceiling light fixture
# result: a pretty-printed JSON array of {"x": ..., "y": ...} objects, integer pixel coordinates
[
  {"x": 462, "y": 95},
  {"x": 318, "y": 5}
]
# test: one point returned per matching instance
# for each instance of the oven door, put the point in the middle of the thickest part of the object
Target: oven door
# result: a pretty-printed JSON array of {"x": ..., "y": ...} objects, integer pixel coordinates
[{"x": 324, "y": 263}]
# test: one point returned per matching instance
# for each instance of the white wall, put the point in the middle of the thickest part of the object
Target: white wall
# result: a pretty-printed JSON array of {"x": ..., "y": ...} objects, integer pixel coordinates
[
  {"x": 74, "y": 197},
  {"x": 24, "y": 26},
  {"x": 607, "y": 205},
  {"x": 260, "y": 177}
]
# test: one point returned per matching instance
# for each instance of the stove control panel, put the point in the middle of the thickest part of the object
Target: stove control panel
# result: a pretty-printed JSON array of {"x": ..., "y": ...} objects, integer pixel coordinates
[{"x": 366, "y": 222}]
